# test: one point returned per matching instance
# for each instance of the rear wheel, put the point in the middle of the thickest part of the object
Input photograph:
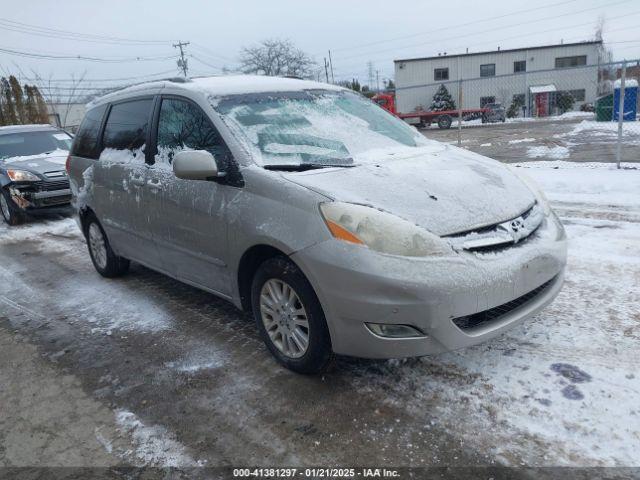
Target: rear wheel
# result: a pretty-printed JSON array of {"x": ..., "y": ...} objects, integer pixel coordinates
[
  {"x": 107, "y": 263},
  {"x": 9, "y": 210},
  {"x": 444, "y": 122},
  {"x": 290, "y": 317}
]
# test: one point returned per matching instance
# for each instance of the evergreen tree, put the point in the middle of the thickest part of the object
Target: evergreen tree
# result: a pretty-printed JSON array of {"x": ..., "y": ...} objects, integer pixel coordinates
[
  {"x": 390, "y": 85},
  {"x": 43, "y": 111},
  {"x": 30, "y": 106},
  {"x": 18, "y": 99},
  {"x": 516, "y": 106},
  {"x": 442, "y": 100},
  {"x": 564, "y": 101},
  {"x": 8, "y": 106}
]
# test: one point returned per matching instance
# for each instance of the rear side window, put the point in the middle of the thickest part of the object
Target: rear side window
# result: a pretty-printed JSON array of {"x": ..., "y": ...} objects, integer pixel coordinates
[
  {"x": 85, "y": 143},
  {"x": 127, "y": 125}
]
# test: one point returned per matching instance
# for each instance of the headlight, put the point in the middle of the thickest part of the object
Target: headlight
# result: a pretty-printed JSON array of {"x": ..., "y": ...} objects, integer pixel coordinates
[
  {"x": 380, "y": 231},
  {"x": 22, "y": 176},
  {"x": 535, "y": 189}
]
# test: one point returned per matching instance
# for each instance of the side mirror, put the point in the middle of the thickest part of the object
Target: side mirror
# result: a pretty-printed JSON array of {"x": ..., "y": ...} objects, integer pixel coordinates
[{"x": 195, "y": 165}]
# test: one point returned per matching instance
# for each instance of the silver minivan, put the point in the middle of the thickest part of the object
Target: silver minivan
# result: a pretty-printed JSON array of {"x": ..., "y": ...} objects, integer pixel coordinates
[{"x": 344, "y": 230}]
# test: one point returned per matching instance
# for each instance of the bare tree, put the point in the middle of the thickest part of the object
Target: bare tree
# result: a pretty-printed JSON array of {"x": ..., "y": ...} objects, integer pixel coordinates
[
  {"x": 274, "y": 57},
  {"x": 606, "y": 72},
  {"x": 61, "y": 96}
]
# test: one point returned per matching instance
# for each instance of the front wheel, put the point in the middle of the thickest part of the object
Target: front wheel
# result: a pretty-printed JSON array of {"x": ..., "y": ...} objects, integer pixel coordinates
[
  {"x": 107, "y": 263},
  {"x": 10, "y": 213},
  {"x": 290, "y": 318}
]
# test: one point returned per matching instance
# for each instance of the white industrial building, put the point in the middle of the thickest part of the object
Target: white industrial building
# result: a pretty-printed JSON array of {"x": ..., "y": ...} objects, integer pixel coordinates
[{"x": 535, "y": 74}]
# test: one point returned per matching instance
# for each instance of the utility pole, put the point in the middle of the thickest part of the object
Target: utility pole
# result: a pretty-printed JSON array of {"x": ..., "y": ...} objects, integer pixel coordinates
[
  {"x": 326, "y": 69},
  {"x": 377, "y": 81},
  {"x": 333, "y": 80},
  {"x": 370, "y": 74},
  {"x": 182, "y": 62}
]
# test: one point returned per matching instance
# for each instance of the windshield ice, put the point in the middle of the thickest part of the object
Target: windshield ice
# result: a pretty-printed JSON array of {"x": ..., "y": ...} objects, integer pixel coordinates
[
  {"x": 313, "y": 127},
  {"x": 25, "y": 144}
]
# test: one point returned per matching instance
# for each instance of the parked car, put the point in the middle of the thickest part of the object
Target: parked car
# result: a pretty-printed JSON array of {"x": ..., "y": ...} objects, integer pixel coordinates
[
  {"x": 493, "y": 112},
  {"x": 338, "y": 225},
  {"x": 33, "y": 179}
]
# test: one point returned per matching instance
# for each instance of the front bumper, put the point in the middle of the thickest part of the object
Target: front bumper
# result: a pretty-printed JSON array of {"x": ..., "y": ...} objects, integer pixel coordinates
[
  {"x": 356, "y": 286},
  {"x": 33, "y": 197}
]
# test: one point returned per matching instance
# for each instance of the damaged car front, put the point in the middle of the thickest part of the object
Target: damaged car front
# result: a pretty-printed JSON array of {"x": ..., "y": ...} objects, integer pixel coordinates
[{"x": 33, "y": 179}]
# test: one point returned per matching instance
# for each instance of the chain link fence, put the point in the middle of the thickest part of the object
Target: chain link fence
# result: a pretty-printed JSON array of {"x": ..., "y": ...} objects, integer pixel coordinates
[{"x": 580, "y": 113}]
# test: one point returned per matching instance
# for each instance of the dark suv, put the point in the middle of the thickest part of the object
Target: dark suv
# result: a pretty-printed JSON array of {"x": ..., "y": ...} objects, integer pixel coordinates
[
  {"x": 493, "y": 112},
  {"x": 32, "y": 171}
]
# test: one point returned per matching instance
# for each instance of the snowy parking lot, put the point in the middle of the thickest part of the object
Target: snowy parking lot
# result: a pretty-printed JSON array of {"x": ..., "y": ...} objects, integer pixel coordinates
[
  {"x": 575, "y": 136},
  {"x": 144, "y": 370}
]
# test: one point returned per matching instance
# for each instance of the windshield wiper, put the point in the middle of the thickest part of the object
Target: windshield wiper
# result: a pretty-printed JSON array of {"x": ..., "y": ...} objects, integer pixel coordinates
[{"x": 301, "y": 167}]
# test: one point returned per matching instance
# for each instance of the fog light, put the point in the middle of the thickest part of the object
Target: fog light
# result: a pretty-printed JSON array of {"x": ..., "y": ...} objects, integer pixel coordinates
[{"x": 394, "y": 331}]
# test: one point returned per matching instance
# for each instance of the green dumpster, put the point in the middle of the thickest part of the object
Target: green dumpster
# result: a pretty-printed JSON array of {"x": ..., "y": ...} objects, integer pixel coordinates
[{"x": 604, "y": 108}]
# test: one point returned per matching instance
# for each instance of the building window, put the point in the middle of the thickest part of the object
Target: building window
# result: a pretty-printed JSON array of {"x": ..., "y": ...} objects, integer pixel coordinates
[
  {"x": 485, "y": 100},
  {"x": 488, "y": 70},
  {"x": 441, "y": 74},
  {"x": 568, "y": 62},
  {"x": 520, "y": 66},
  {"x": 578, "y": 95}
]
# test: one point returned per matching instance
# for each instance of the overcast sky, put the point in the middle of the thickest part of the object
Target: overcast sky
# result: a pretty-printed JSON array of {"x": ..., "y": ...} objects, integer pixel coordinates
[{"x": 355, "y": 31}]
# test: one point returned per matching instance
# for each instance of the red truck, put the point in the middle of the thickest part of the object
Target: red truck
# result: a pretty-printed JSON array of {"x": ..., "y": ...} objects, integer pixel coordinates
[{"x": 424, "y": 118}]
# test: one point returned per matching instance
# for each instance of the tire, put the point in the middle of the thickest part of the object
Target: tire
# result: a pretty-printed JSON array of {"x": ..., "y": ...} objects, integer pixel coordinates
[
  {"x": 107, "y": 263},
  {"x": 444, "y": 122},
  {"x": 9, "y": 210},
  {"x": 282, "y": 324}
]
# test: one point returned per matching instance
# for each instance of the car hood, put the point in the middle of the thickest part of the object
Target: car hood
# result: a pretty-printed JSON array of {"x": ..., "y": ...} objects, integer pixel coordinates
[
  {"x": 46, "y": 162},
  {"x": 446, "y": 190}
]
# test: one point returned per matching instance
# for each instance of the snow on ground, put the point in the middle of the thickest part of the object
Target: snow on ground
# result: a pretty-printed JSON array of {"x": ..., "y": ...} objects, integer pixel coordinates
[
  {"x": 154, "y": 445},
  {"x": 561, "y": 389},
  {"x": 133, "y": 311},
  {"x": 590, "y": 183}
]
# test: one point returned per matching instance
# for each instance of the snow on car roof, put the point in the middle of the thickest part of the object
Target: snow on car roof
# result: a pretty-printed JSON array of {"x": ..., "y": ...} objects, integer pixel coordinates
[
  {"x": 223, "y": 85},
  {"x": 239, "y": 84}
]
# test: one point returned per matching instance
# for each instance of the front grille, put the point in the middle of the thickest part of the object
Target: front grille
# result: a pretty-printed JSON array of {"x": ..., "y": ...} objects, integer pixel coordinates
[
  {"x": 52, "y": 185},
  {"x": 483, "y": 318},
  {"x": 499, "y": 236}
]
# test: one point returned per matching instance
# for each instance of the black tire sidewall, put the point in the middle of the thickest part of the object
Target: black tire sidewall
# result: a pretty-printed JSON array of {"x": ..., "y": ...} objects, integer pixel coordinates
[
  {"x": 15, "y": 216},
  {"x": 319, "y": 354}
]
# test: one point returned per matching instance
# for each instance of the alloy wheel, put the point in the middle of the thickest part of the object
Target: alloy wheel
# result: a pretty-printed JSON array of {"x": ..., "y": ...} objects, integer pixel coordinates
[
  {"x": 98, "y": 246},
  {"x": 284, "y": 318}
]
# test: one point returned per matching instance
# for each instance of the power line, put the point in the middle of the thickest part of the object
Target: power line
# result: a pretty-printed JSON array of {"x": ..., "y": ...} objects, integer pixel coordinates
[
  {"x": 30, "y": 29},
  {"x": 474, "y": 22},
  {"x": 197, "y": 59},
  {"x": 529, "y": 22},
  {"x": 564, "y": 27},
  {"x": 210, "y": 53},
  {"x": 121, "y": 79},
  {"x": 44, "y": 56}
]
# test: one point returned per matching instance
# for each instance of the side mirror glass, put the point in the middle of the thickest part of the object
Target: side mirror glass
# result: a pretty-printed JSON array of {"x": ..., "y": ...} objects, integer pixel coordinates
[{"x": 195, "y": 165}]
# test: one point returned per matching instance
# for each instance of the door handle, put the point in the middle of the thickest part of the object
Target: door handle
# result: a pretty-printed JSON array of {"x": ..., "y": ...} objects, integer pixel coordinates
[{"x": 138, "y": 181}]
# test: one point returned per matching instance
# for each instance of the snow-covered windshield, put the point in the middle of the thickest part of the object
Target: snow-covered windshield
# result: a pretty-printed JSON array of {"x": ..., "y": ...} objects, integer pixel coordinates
[
  {"x": 24, "y": 144},
  {"x": 313, "y": 127}
]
